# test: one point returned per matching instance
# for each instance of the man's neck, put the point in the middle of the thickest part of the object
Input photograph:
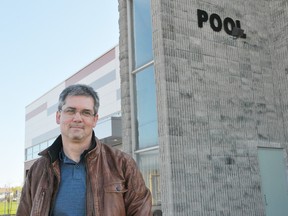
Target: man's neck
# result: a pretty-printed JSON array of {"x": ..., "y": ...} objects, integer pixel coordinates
[{"x": 74, "y": 150}]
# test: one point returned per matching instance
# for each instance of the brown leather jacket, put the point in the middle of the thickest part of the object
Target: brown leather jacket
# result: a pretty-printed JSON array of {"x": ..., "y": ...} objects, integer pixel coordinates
[{"x": 115, "y": 186}]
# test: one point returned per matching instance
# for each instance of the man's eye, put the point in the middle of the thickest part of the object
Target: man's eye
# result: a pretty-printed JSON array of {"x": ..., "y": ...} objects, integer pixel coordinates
[
  {"x": 86, "y": 113},
  {"x": 70, "y": 111}
]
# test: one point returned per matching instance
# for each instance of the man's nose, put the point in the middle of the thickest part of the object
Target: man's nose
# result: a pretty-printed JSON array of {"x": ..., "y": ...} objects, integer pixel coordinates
[{"x": 77, "y": 116}]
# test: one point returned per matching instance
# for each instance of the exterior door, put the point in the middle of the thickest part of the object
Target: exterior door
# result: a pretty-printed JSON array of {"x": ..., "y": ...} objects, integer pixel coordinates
[{"x": 274, "y": 181}]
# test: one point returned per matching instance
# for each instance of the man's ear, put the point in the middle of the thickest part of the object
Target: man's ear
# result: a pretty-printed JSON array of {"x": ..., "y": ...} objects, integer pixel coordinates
[
  {"x": 58, "y": 114},
  {"x": 95, "y": 119}
]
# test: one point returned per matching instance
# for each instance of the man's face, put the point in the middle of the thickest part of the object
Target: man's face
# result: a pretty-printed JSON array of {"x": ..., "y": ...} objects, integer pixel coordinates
[{"x": 77, "y": 119}]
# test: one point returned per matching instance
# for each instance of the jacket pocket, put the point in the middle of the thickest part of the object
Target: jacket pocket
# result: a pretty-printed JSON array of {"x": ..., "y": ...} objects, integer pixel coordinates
[
  {"x": 117, "y": 187},
  {"x": 114, "y": 202}
]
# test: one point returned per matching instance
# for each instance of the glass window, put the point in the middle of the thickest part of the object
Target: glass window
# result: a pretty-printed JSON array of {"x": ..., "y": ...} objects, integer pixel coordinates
[
  {"x": 142, "y": 32},
  {"x": 32, "y": 152},
  {"x": 35, "y": 151},
  {"x": 145, "y": 98},
  {"x": 29, "y": 154},
  {"x": 50, "y": 142},
  {"x": 149, "y": 165},
  {"x": 29, "y": 151},
  {"x": 43, "y": 145},
  {"x": 146, "y": 108}
]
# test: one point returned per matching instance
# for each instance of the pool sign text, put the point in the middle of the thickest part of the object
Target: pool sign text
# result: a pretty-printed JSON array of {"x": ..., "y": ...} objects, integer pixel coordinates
[{"x": 216, "y": 22}]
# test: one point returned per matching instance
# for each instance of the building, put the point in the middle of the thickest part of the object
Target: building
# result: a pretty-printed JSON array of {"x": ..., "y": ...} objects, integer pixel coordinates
[
  {"x": 103, "y": 75},
  {"x": 204, "y": 103}
]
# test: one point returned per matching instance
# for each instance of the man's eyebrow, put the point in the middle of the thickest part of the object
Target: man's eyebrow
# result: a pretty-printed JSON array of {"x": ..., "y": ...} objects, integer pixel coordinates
[
  {"x": 85, "y": 109},
  {"x": 70, "y": 107}
]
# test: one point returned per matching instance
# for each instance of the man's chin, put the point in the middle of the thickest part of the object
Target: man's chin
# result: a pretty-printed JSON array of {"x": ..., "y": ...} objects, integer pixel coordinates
[{"x": 76, "y": 137}]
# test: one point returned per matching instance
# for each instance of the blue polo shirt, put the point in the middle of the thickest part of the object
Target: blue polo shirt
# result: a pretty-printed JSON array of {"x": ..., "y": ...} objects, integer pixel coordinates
[{"x": 71, "y": 196}]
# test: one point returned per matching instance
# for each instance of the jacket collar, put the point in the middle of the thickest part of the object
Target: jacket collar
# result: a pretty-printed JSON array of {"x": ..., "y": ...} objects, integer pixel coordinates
[{"x": 53, "y": 151}]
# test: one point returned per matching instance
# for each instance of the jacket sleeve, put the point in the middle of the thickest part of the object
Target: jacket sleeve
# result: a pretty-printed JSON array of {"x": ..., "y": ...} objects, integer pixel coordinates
[
  {"x": 25, "y": 204},
  {"x": 138, "y": 201},
  {"x": 35, "y": 196}
]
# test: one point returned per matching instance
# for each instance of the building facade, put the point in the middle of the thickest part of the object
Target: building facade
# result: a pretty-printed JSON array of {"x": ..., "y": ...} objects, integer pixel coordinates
[
  {"x": 204, "y": 103},
  {"x": 103, "y": 75}
]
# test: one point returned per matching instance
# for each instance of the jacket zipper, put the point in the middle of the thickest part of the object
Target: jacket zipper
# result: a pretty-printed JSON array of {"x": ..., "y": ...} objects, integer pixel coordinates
[
  {"x": 40, "y": 203},
  {"x": 90, "y": 188},
  {"x": 55, "y": 192}
]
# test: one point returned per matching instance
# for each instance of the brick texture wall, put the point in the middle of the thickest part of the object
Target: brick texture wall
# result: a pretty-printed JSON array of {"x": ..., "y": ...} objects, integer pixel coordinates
[{"x": 218, "y": 99}]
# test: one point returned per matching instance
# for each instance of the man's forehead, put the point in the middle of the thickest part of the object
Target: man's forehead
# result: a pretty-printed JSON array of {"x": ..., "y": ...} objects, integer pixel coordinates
[{"x": 84, "y": 101}]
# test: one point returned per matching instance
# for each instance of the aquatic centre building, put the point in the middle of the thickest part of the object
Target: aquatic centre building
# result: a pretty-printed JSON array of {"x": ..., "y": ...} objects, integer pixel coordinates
[{"x": 204, "y": 94}]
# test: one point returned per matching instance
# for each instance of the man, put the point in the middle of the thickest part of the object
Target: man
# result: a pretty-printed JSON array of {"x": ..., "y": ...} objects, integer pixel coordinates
[{"x": 78, "y": 175}]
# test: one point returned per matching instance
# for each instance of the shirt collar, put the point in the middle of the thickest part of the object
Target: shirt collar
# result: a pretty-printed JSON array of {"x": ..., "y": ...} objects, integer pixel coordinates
[
  {"x": 67, "y": 160},
  {"x": 63, "y": 158}
]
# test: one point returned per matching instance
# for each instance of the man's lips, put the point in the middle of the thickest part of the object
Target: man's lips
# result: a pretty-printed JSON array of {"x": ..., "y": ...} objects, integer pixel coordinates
[{"x": 77, "y": 127}]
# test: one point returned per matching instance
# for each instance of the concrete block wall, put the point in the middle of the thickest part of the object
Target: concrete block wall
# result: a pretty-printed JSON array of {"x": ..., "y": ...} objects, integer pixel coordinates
[
  {"x": 279, "y": 47},
  {"x": 218, "y": 99},
  {"x": 220, "y": 102},
  {"x": 125, "y": 78}
]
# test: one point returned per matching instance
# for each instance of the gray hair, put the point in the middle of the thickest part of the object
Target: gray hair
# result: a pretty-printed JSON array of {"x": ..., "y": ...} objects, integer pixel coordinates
[{"x": 79, "y": 90}]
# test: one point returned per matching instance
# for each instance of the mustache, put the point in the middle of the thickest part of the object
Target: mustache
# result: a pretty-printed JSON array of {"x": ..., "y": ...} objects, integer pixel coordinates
[{"x": 76, "y": 126}]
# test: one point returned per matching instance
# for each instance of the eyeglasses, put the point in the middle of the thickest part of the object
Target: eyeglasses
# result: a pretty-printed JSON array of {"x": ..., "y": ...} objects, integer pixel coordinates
[{"x": 71, "y": 112}]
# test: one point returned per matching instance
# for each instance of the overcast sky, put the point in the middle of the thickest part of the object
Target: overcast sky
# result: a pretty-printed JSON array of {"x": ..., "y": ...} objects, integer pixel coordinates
[{"x": 42, "y": 43}]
